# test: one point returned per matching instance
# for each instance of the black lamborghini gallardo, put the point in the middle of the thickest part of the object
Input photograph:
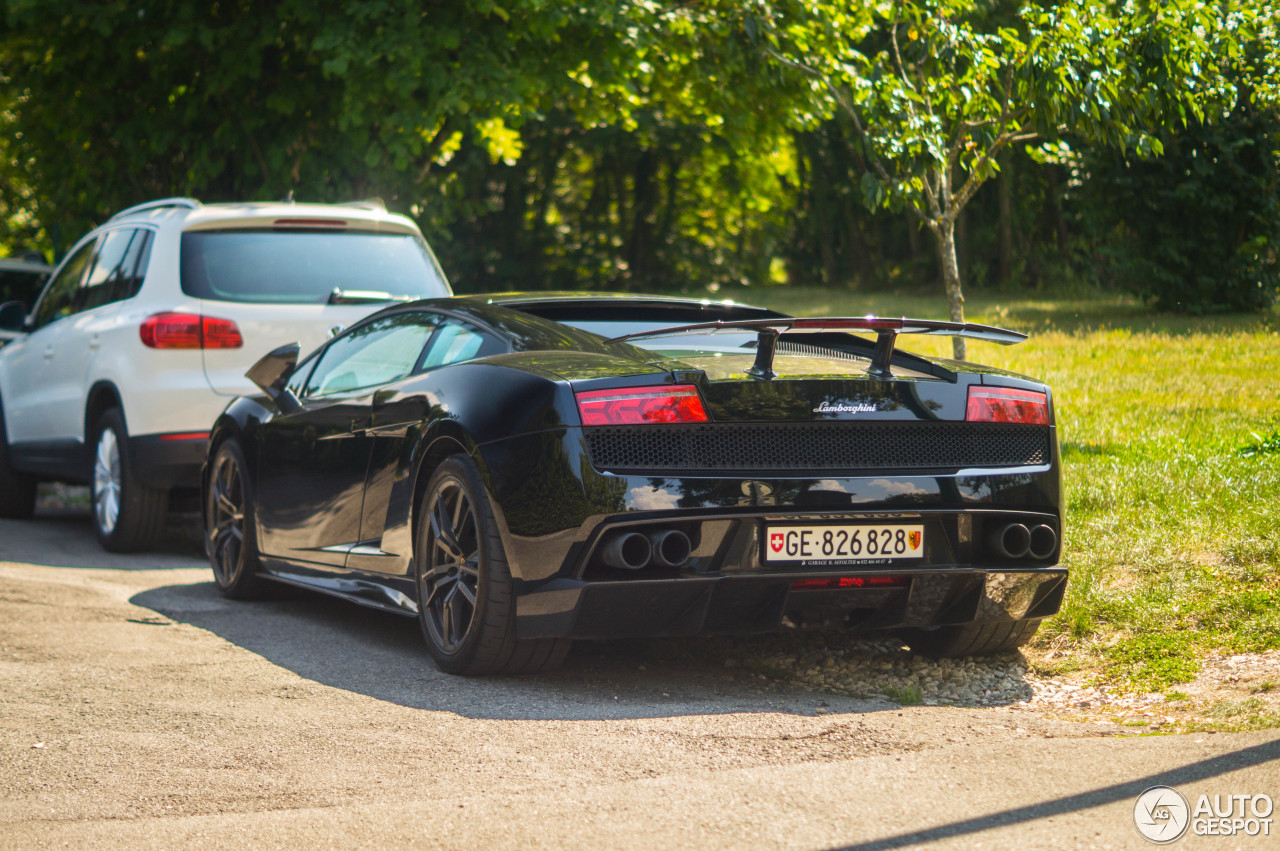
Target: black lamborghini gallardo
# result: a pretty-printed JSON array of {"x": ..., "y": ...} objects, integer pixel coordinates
[{"x": 519, "y": 471}]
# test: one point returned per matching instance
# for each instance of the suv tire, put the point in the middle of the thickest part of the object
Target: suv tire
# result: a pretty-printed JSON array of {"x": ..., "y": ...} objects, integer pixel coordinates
[
  {"x": 127, "y": 515},
  {"x": 17, "y": 490}
]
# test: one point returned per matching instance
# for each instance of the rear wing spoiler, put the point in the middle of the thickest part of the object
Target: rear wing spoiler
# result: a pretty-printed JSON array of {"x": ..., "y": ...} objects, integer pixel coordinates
[{"x": 885, "y": 329}]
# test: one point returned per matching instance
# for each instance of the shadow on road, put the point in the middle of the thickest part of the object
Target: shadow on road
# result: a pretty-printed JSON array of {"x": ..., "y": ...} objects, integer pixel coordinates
[
  {"x": 63, "y": 537},
  {"x": 1127, "y": 791},
  {"x": 382, "y": 656}
]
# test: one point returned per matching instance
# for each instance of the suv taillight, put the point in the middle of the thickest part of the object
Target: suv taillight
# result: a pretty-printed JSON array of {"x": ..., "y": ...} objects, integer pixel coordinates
[
  {"x": 189, "y": 331},
  {"x": 1007, "y": 405},
  {"x": 638, "y": 405}
]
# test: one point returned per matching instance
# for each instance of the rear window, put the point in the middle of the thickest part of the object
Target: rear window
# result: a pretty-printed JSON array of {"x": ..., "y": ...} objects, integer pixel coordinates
[{"x": 306, "y": 267}]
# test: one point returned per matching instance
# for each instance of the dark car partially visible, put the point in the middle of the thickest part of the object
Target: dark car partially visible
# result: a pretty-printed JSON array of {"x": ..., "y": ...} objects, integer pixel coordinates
[
  {"x": 21, "y": 279},
  {"x": 519, "y": 471}
]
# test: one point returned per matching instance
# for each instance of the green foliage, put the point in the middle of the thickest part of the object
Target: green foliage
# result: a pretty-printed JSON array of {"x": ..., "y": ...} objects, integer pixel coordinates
[
  {"x": 936, "y": 89},
  {"x": 908, "y": 695},
  {"x": 1197, "y": 229}
]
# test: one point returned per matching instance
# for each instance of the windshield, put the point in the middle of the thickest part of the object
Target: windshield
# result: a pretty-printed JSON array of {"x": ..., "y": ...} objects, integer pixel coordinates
[{"x": 306, "y": 267}]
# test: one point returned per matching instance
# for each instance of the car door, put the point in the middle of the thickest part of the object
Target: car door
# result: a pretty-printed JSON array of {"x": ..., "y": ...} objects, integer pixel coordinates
[
  {"x": 314, "y": 461},
  {"x": 44, "y": 369},
  {"x": 398, "y": 413}
]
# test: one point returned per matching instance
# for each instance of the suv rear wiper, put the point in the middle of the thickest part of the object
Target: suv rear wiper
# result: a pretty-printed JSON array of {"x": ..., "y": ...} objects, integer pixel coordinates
[{"x": 340, "y": 296}]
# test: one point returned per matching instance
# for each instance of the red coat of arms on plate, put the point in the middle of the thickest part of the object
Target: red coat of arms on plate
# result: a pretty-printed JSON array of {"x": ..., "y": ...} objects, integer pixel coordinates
[
  {"x": 913, "y": 538},
  {"x": 775, "y": 541}
]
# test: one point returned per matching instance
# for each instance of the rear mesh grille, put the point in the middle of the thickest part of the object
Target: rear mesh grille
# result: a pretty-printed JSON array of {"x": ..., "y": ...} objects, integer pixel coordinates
[{"x": 769, "y": 447}]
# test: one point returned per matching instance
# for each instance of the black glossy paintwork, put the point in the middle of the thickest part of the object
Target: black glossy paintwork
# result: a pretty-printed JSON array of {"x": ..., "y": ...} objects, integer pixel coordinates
[{"x": 336, "y": 483}]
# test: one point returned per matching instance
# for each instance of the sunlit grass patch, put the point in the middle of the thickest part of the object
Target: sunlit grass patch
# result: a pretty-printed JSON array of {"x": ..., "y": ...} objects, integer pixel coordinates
[{"x": 1171, "y": 457}]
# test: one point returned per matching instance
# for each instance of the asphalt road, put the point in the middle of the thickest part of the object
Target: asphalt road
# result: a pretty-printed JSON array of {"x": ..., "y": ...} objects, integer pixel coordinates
[{"x": 140, "y": 709}]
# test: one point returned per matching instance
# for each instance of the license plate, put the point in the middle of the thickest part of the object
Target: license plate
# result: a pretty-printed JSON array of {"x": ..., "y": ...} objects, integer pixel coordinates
[{"x": 849, "y": 544}]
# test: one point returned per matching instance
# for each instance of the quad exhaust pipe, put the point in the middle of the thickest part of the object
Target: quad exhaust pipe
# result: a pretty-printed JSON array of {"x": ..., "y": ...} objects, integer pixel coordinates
[
  {"x": 1015, "y": 540},
  {"x": 634, "y": 551},
  {"x": 629, "y": 551},
  {"x": 671, "y": 548},
  {"x": 1043, "y": 541}
]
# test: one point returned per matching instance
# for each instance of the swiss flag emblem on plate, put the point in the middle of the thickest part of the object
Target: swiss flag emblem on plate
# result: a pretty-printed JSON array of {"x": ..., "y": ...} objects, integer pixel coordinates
[{"x": 775, "y": 541}]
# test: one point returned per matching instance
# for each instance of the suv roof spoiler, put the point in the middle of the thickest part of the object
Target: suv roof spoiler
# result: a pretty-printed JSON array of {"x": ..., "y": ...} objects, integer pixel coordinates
[
  {"x": 886, "y": 330},
  {"x": 187, "y": 203}
]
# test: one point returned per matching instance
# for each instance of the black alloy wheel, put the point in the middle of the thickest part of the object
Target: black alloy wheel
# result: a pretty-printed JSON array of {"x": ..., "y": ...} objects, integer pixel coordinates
[
  {"x": 466, "y": 601},
  {"x": 229, "y": 532},
  {"x": 450, "y": 584}
]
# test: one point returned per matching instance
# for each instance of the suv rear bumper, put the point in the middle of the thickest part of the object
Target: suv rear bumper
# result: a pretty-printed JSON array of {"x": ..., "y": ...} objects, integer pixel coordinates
[{"x": 168, "y": 460}]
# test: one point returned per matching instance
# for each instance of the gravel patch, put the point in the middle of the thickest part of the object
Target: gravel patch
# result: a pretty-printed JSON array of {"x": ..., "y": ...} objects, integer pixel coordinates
[{"x": 1228, "y": 686}]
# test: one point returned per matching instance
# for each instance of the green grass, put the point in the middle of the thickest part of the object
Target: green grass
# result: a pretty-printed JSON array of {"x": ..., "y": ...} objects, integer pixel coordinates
[
  {"x": 908, "y": 695},
  {"x": 1170, "y": 434}
]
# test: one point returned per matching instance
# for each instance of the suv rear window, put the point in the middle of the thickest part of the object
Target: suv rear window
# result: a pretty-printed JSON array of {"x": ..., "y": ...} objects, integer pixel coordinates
[{"x": 305, "y": 267}]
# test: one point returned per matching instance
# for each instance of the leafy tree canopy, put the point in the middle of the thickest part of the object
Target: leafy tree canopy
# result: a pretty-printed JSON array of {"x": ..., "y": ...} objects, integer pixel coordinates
[{"x": 936, "y": 89}]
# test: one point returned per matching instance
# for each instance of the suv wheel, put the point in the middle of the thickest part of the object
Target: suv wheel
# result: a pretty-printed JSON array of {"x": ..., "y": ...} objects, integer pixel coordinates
[
  {"x": 128, "y": 516},
  {"x": 17, "y": 490}
]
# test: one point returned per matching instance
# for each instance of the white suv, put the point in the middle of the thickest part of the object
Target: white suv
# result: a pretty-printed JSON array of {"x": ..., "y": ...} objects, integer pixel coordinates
[{"x": 145, "y": 330}]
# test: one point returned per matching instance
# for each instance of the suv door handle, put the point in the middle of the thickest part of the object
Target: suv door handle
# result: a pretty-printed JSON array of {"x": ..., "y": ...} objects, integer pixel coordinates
[
  {"x": 94, "y": 342},
  {"x": 48, "y": 352}
]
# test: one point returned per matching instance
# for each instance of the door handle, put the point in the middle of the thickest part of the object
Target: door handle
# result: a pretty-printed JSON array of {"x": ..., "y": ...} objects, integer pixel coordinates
[
  {"x": 94, "y": 342},
  {"x": 48, "y": 352}
]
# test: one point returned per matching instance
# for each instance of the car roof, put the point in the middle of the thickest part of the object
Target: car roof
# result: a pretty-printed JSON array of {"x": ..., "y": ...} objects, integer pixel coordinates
[
  {"x": 552, "y": 303},
  {"x": 32, "y": 266},
  {"x": 193, "y": 215}
]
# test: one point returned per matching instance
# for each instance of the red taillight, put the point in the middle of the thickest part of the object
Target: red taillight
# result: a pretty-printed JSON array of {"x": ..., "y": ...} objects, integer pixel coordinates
[
  {"x": 638, "y": 405},
  {"x": 221, "y": 334},
  {"x": 849, "y": 582},
  {"x": 1007, "y": 405},
  {"x": 189, "y": 331}
]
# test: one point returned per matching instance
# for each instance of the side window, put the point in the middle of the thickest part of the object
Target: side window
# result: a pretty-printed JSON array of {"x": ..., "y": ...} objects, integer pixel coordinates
[
  {"x": 458, "y": 341},
  {"x": 377, "y": 353},
  {"x": 297, "y": 383},
  {"x": 117, "y": 269},
  {"x": 59, "y": 299}
]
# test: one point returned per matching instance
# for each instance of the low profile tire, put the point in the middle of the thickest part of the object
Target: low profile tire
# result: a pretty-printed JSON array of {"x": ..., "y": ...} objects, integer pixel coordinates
[
  {"x": 17, "y": 490},
  {"x": 978, "y": 639},
  {"x": 230, "y": 534},
  {"x": 466, "y": 605},
  {"x": 127, "y": 515}
]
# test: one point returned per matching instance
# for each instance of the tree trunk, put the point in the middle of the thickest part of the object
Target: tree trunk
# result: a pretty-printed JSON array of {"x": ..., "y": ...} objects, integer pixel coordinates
[
  {"x": 945, "y": 237},
  {"x": 1055, "y": 210},
  {"x": 1004, "y": 183}
]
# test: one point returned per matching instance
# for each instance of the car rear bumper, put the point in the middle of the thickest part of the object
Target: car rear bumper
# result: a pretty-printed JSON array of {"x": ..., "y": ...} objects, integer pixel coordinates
[{"x": 740, "y": 604}]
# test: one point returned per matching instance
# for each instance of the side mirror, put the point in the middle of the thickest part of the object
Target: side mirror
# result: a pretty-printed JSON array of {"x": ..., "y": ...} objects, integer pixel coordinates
[
  {"x": 272, "y": 371},
  {"x": 13, "y": 316}
]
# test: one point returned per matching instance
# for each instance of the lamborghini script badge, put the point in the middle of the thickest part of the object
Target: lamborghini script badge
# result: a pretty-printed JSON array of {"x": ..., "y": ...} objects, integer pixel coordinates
[{"x": 844, "y": 408}]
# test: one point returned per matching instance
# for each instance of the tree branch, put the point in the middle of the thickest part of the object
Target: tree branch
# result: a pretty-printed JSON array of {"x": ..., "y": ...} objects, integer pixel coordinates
[
  {"x": 840, "y": 100},
  {"x": 433, "y": 147},
  {"x": 975, "y": 178}
]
